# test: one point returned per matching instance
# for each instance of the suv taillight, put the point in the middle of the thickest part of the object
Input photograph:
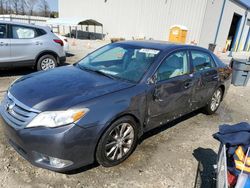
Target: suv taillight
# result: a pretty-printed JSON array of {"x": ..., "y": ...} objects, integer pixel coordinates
[{"x": 59, "y": 42}]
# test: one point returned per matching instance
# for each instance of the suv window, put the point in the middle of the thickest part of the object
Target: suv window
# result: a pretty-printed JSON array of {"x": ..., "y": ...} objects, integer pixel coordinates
[
  {"x": 175, "y": 65},
  {"x": 201, "y": 60},
  {"x": 20, "y": 32},
  {"x": 3, "y": 31},
  {"x": 40, "y": 32}
]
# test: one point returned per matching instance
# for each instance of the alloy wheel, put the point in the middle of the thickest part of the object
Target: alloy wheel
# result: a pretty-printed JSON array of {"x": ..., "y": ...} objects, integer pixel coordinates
[
  {"x": 47, "y": 64},
  {"x": 120, "y": 141},
  {"x": 216, "y": 99}
]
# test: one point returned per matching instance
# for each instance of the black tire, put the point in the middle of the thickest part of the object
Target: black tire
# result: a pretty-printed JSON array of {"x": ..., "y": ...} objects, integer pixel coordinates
[
  {"x": 102, "y": 156},
  {"x": 52, "y": 63},
  {"x": 209, "y": 108}
]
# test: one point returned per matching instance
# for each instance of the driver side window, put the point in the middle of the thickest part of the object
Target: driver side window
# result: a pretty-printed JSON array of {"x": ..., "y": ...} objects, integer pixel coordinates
[{"x": 175, "y": 65}]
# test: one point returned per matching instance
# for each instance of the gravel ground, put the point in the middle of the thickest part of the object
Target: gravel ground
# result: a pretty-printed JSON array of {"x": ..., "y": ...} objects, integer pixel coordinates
[{"x": 166, "y": 157}]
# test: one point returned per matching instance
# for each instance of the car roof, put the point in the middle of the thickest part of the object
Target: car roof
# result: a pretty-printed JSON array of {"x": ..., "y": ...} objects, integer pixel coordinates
[
  {"x": 160, "y": 45},
  {"x": 23, "y": 24}
]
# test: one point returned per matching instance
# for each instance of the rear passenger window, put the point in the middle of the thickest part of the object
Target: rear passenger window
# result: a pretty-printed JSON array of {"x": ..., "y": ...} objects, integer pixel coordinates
[
  {"x": 3, "y": 31},
  {"x": 201, "y": 61},
  {"x": 175, "y": 65},
  {"x": 20, "y": 32}
]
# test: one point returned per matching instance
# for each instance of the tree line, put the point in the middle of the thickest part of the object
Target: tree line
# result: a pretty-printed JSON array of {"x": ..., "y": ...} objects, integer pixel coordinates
[{"x": 26, "y": 7}]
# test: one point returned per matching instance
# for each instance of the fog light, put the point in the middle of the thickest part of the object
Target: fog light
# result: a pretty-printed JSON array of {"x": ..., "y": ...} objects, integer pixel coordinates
[{"x": 52, "y": 161}]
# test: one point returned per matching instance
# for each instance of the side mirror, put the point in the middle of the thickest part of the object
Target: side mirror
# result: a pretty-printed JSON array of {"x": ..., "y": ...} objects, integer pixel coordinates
[{"x": 152, "y": 79}]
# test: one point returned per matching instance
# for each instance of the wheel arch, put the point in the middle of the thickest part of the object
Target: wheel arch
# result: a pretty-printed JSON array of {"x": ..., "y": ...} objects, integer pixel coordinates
[
  {"x": 47, "y": 52},
  {"x": 223, "y": 88},
  {"x": 112, "y": 120}
]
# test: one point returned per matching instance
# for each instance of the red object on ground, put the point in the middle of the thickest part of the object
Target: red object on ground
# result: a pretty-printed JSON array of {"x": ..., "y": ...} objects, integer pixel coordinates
[{"x": 232, "y": 179}]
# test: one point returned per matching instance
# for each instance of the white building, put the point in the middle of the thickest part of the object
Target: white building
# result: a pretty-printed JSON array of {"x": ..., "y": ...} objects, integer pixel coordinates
[{"x": 208, "y": 21}]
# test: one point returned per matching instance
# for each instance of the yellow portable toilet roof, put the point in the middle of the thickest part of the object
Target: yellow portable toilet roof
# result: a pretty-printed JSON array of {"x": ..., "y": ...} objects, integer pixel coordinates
[{"x": 182, "y": 27}]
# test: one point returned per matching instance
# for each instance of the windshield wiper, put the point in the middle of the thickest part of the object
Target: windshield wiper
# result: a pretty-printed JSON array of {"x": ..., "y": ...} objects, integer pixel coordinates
[{"x": 97, "y": 71}]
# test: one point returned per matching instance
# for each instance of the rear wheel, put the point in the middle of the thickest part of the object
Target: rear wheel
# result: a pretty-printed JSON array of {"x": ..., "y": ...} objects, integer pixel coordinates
[
  {"x": 214, "y": 103},
  {"x": 46, "y": 62},
  {"x": 117, "y": 143}
]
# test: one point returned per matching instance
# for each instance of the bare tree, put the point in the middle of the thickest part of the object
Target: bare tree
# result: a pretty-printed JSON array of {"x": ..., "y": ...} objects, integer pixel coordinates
[
  {"x": 23, "y": 6},
  {"x": 31, "y": 4},
  {"x": 44, "y": 8},
  {"x": 2, "y": 7},
  {"x": 8, "y": 8},
  {"x": 16, "y": 6}
]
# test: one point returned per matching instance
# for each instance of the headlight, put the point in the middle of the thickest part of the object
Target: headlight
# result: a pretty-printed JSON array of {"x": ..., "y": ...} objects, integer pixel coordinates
[{"x": 57, "y": 118}]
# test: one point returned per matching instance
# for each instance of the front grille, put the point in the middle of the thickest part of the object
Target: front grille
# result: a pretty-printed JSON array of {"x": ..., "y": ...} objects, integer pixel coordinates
[{"x": 15, "y": 113}]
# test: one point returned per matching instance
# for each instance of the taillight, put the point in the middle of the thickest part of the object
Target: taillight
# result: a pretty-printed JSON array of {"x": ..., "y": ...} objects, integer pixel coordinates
[{"x": 58, "y": 41}]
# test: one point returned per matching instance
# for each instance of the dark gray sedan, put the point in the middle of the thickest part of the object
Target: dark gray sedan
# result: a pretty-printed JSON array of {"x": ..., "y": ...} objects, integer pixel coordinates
[{"x": 96, "y": 109}]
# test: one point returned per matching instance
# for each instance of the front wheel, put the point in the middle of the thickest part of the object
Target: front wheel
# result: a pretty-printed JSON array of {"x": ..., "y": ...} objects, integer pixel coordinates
[
  {"x": 117, "y": 143},
  {"x": 214, "y": 103}
]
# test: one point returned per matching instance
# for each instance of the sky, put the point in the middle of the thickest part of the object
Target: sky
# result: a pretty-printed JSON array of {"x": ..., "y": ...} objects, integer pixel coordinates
[
  {"x": 53, "y": 4},
  {"x": 246, "y": 2}
]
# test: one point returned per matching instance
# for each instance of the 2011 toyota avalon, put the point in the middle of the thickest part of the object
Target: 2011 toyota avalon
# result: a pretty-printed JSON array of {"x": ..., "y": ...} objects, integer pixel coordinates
[{"x": 97, "y": 109}]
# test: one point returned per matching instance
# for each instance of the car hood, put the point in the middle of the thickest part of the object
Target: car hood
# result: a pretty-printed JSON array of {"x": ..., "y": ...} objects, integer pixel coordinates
[{"x": 63, "y": 87}]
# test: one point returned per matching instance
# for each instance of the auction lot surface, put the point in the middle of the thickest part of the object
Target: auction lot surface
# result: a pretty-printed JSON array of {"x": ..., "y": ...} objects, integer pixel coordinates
[{"x": 166, "y": 157}]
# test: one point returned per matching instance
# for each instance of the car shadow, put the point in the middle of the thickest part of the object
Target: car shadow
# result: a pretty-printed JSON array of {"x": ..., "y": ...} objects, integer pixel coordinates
[
  {"x": 168, "y": 125},
  {"x": 68, "y": 54},
  {"x": 205, "y": 175},
  {"x": 82, "y": 169},
  {"x": 20, "y": 71},
  {"x": 145, "y": 136}
]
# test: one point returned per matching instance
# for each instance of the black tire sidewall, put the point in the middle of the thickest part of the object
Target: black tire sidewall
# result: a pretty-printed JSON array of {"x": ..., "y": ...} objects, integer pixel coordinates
[
  {"x": 39, "y": 68},
  {"x": 100, "y": 151},
  {"x": 208, "y": 107}
]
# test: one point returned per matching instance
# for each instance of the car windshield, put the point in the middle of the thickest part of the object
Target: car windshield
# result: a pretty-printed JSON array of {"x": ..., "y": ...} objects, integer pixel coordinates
[{"x": 120, "y": 61}]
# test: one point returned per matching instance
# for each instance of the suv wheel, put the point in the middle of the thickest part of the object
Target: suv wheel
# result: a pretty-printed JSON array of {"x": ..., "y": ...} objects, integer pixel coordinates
[
  {"x": 214, "y": 103},
  {"x": 46, "y": 62},
  {"x": 117, "y": 143}
]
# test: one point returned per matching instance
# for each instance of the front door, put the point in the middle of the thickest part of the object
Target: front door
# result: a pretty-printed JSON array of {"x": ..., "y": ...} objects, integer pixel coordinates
[
  {"x": 4, "y": 44},
  {"x": 170, "y": 96}
]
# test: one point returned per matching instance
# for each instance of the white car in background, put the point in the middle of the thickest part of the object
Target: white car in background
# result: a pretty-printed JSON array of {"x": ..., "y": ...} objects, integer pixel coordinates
[
  {"x": 29, "y": 45},
  {"x": 65, "y": 41}
]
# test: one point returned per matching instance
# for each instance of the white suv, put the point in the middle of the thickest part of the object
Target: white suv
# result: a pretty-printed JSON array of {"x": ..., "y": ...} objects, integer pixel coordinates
[{"x": 29, "y": 45}]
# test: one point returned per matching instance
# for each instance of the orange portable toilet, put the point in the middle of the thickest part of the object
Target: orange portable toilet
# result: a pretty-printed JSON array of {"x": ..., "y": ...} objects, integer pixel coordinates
[{"x": 178, "y": 34}]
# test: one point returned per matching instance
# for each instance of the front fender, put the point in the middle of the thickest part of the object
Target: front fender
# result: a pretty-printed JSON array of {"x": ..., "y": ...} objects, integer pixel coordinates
[{"x": 104, "y": 110}]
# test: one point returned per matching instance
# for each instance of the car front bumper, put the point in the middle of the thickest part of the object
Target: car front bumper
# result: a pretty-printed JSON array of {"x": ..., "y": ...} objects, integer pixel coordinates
[{"x": 71, "y": 143}]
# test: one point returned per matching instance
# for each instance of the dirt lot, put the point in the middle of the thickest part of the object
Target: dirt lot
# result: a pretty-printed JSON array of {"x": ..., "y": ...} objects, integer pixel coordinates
[{"x": 166, "y": 157}]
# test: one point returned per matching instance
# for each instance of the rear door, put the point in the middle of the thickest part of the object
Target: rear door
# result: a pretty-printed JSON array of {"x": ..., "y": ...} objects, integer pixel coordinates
[
  {"x": 4, "y": 44},
  {"x": 170, "y": 96},
  {"x": 25, "y": 44},
  {"x": 205, "y": 75}
]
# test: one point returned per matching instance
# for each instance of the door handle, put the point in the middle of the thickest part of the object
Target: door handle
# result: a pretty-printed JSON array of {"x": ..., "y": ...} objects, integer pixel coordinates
[
  {"x": 216, "y": 77},
  {"x": 188, "y": 85},
  {"x": 156, "y": 96},
  {"x": 39, "y": 43},
  {"x": 3, "y": 44}
]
